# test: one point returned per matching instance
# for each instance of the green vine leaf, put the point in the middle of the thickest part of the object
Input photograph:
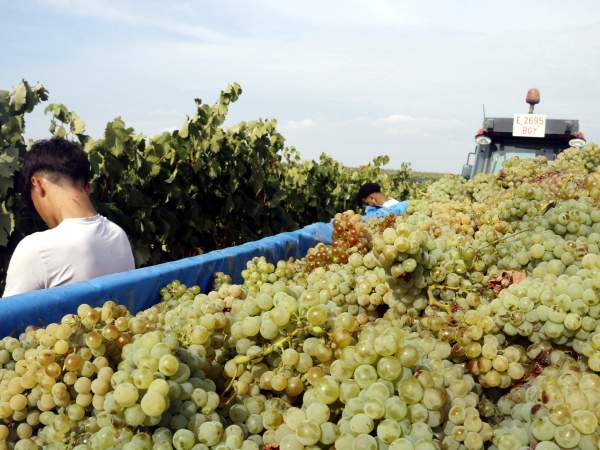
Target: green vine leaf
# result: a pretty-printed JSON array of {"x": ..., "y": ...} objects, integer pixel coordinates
[{"x": 18, "y": 97}]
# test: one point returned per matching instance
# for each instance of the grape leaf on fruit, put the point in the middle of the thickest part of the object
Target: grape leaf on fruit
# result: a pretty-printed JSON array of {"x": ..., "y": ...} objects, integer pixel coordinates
[{"x": 505, "y": 279}]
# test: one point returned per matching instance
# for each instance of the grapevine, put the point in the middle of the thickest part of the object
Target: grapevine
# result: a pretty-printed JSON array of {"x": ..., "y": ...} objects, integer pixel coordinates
[{"x": 174, "y": 193}]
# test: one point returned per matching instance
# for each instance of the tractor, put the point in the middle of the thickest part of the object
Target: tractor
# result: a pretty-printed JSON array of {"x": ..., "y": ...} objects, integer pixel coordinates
[{"x": 527, "y": 136}]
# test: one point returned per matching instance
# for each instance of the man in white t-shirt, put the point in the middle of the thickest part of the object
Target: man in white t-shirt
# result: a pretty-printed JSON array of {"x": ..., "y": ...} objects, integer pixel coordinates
[
  {"x": 80, "y": 244},
  {"x": 370, "y": 194}
]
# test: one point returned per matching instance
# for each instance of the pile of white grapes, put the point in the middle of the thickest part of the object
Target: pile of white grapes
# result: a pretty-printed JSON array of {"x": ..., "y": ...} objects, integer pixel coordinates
[{"x": 470, "y": 322}]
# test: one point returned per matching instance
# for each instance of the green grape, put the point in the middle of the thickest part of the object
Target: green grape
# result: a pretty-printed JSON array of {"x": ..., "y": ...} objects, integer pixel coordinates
[
  {"x": 153, "y": 404},
  {"x": 388, "y": 431},
  {"x": 308, "y": 433},
  {"x": 210, "y": 433},
  {"x": 361, "y": 423},
  {"x": 183, "y": 439},
  {"x": 126, "y": 394}
]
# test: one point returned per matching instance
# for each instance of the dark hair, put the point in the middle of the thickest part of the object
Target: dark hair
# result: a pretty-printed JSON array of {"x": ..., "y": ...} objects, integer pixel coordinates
[
  {"x": 366, "y": 190},
  {"x": 58, "y": 157}
]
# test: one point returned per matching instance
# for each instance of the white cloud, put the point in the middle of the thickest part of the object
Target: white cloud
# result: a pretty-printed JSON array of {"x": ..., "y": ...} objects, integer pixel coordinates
[
  {"x": 298, "y": 124},
  {"x": 115, "y": 12},
  {"x": 404, "y": 124},
  {"x": 350, "y": 14},
  {"x": 396, "y": 118}
]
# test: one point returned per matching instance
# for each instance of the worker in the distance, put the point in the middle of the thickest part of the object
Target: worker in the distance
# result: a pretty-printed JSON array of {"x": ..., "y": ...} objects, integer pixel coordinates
[
  {"x": 378, "y": 203},
  {"x": 370, "y": 194},
  {"x": 80, "y": 244}
]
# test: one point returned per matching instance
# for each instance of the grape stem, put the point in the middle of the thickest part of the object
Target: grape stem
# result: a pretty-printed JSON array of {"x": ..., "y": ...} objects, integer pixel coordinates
[
  {"x": 503, "y": 238},
  {"x": 278, "y": 345},
  {"x": 434, "y": 302}
]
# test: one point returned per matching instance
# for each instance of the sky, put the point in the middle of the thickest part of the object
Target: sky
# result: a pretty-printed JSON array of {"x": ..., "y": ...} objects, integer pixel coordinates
[{"x": 354, "y": 79}]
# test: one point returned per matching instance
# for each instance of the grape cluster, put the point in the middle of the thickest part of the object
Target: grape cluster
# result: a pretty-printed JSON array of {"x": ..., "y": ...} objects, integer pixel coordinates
[
  {"x": 221, "y": 279},
  {"x": 556, "y": 410},
  {"x": 259, "y": 271},
  {"x": 51, "y": 377},
  {"x": 449, "y": 187},
  {"x": 319, "y": 256},
  {"x": 517, "y": 171},
  {"x": 349, "y": 236},
  {"x": 574, "y": 160}
]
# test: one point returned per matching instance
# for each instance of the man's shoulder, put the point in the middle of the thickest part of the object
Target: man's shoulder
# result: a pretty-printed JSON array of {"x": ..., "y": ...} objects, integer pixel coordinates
[
  {"x": 114, "y": 226},
  {"x": 99, "y": 221},
  {"x": 30, "y": 245},
  {"x": 390, "y": 202},
  {"x": 34, "y": 239}
]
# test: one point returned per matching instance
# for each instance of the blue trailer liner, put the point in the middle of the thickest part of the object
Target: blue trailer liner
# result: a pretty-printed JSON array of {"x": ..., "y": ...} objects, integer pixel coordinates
[
  {"x": 374, "y": 211},
  {"x": 140, "y": 289}
]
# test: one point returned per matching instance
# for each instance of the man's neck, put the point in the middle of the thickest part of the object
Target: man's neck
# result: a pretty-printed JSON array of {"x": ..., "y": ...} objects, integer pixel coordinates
[{"x": 75, "y": 205}]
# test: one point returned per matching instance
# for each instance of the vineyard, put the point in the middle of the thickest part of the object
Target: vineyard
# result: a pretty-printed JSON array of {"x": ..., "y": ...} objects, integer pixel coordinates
[
  {"x": 189, "y": 191},
  {"x": 471, "y": 321}
]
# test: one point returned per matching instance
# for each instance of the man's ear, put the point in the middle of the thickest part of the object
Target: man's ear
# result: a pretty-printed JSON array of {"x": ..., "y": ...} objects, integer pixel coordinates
[{"x": 38, "y": 184}]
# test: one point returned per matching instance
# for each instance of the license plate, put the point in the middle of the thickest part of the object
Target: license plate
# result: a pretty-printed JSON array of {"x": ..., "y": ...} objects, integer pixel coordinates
[{"x": 529, "y": 125}]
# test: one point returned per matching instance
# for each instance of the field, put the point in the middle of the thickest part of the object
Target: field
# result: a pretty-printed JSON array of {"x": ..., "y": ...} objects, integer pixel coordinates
[
  {"x": 428, "y": 176},
  {"x": 471, "y": 321}
]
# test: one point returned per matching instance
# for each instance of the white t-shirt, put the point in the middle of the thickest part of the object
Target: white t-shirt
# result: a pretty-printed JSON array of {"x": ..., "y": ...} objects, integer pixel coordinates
[
  {"x": 391, "y": 202},
  {"x": 75, "y": 250}
]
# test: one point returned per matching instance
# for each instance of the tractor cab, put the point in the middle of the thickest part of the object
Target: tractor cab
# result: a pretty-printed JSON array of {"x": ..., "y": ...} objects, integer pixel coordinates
[{"x": 524, "y": 135}]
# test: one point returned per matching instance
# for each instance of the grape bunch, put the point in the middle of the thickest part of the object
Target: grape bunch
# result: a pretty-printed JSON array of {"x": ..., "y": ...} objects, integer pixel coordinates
[
  {"x": 555, "y": 410},
  {"x": 221, "y": 279},
  {"x": 574, "y": 160}
]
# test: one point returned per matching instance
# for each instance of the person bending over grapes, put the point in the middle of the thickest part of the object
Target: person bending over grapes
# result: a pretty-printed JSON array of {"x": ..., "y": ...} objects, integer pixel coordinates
[
  {"x": 370, "y": 194},
  {"x": 80, "y": 244},
  {"x": 378, "y": 203}
]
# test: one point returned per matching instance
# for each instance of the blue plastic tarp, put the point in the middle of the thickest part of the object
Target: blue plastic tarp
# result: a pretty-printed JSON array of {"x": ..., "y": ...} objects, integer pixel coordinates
[
  {"x": 140, "y": 289},
  {"x": 374, "y": 211}
]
